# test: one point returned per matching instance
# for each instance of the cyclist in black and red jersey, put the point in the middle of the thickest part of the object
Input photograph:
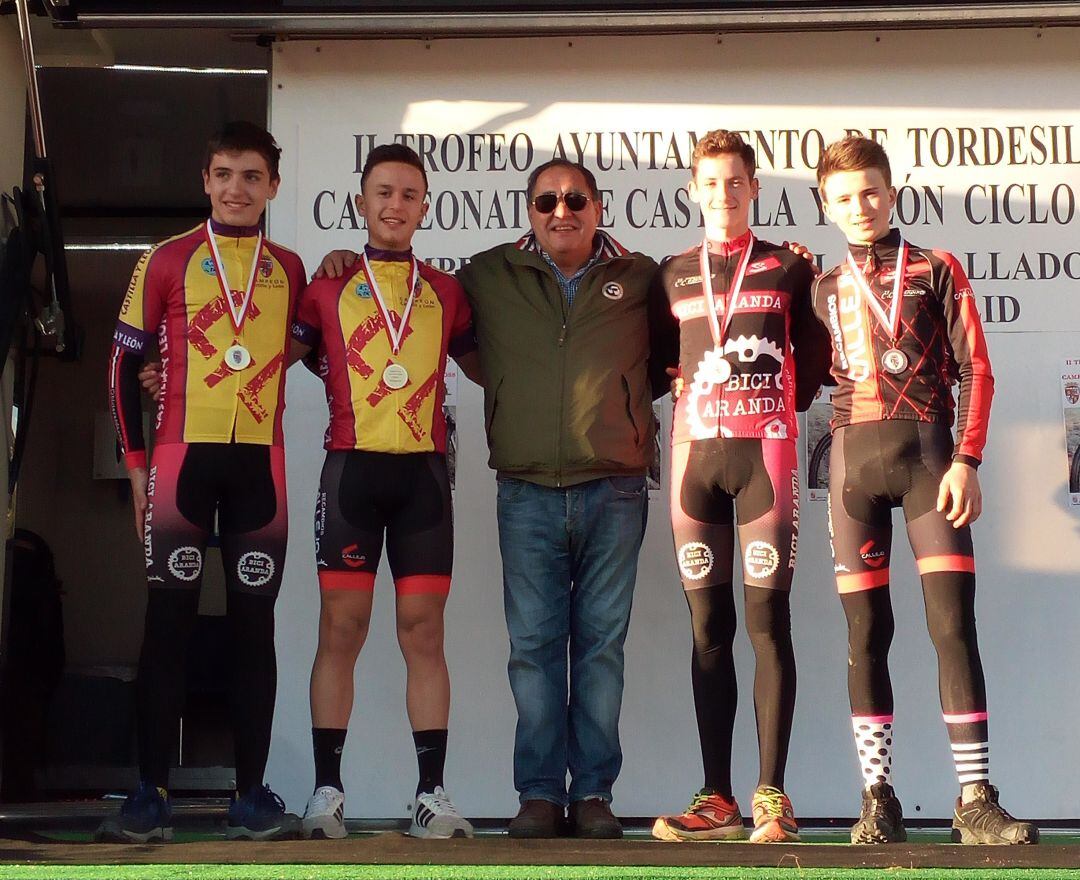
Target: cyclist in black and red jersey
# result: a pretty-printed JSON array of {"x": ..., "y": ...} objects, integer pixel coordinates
[
  {"x": 904, "y": 329},
  {"x": 742, "y": 304}
]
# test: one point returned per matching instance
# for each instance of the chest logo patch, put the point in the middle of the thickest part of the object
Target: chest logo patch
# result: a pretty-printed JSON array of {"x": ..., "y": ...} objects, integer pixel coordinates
[
  {"x": 208, "y": 266},
  {"x": 613, "y": 290},
  {"x": 363, "y": 291}
]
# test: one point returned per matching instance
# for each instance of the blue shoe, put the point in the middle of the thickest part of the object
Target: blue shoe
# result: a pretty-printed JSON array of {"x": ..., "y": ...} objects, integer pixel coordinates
[
  {"x": 260, "y": 815},
  {"x": 145, "y": 817}
]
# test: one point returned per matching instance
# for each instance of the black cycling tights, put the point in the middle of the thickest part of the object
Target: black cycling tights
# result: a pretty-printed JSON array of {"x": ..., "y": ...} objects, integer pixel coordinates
[
  {"x": 768, "y": 623},
  {"x": 950, "y": 618},
  {"x": 252, "y": 680}
]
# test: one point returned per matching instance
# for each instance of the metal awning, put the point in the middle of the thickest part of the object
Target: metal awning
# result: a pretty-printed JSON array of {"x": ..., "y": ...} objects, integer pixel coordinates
[{"x": 424, "y": 18}]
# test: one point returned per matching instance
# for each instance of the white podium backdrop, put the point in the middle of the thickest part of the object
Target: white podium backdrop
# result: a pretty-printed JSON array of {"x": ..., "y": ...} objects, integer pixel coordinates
[{"x": 984, "y": 135}]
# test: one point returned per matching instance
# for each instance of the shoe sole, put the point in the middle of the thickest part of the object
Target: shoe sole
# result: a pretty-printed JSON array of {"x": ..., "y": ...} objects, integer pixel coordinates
[
  {"x": 280, "y": 833},
  {"x": 877, "y": 839},
  {"x": 774, "y": 832},
  {"x": 533, "y": 833},
  {"x": 429, "y": 833},
  {"x": 969, "y": 837},
  {"x": 119, "y": 835},
  {"x": 661, "y": 830},
  {"x": 323, "y": 828},
  {"x": 599, "y": 834}
]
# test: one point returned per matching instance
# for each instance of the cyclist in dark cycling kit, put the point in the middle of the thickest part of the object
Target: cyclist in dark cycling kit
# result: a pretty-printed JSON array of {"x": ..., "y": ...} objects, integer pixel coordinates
[
  {"x": 904, "y": 328},
  {"x": 742, "y": 304}
]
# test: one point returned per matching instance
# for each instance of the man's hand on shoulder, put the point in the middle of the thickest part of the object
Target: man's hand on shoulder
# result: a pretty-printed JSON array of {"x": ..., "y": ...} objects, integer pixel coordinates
[
  {"x": 676, "y": 382},
  {"x": 801, "y": 250},
  {"x": 335, "y": 263},
  {"x": 150, "y": 377},
  {"x": 960, "y": 495}
]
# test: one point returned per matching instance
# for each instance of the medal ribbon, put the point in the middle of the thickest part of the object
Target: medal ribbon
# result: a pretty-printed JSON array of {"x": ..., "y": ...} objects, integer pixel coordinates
[
  {"x": 890, "y": 322},
  {"x": 237, "y": 315},
  {"x": 718, "y": 332},
  {"x": 395, "y": 333}
]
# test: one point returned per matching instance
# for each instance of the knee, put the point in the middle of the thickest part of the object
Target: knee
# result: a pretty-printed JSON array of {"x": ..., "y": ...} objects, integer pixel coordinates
[
  {"x": 951, "y": 633},
  {"x": 421, "y": 637},
  {"x": 768, "y": 616},
  {"x": 342, "y": 632},
  {"x": 870, "y": 630}
]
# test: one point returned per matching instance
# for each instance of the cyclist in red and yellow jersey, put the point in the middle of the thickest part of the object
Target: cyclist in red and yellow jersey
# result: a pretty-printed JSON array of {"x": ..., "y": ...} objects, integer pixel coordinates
[
  {"x": 383, "y": 330},
  {"x": 219, "y": 299}
]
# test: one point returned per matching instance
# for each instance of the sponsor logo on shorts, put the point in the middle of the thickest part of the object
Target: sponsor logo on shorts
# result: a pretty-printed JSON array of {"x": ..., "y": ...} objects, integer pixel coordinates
[
  {"x": 255, "y": 568},
  {"x": 695, "y": 560},
  {"x": 351, "y": 558},
  {"x": 873, "y": 557},
  {"x": 760, "y": 560},
  {"x": 185, "y": 563},
  {"x": 613, "y": 290},
  {"x": 208, "y": 266}
]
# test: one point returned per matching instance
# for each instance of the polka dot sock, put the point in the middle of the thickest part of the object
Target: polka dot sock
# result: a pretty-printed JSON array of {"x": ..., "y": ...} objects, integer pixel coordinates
[{"x": 873, "y": 739}]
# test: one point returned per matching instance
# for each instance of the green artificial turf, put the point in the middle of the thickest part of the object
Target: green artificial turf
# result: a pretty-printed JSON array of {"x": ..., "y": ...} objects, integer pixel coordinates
[{"x": 525, "y": 872}]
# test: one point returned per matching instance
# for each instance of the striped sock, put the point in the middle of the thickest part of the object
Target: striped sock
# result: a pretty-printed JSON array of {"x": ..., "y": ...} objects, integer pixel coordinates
[
  {"x": 970, "y": 740},
  {"x": 874, "y": 739}
]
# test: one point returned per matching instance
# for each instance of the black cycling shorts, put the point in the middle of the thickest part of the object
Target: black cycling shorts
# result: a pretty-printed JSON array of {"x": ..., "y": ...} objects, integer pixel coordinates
[
  {"x": 244, "y": 484},
  {"x": 363, "y": 495},
  {"x": 874, "y": 467},
  {"x": 711, "y": 480}
]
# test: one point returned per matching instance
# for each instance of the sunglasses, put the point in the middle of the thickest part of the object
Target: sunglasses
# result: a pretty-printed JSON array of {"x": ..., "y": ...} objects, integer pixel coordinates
[{"x": 545, "y": 203}]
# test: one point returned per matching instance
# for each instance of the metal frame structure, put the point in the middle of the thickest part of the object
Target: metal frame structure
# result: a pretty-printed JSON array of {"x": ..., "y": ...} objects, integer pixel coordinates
[{"x": 420, "y": 19}]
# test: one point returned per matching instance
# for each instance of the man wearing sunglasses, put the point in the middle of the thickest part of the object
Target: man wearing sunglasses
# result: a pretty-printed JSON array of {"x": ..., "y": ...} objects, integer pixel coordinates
[{"x": 573, "y": 348}]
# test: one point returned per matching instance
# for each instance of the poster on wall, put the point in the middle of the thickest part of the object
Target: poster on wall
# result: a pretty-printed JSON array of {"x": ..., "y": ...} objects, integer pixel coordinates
[
  {"x": 818, "y": 440},
  {"x": 656, "y": 468},
  {"x": 450, "y": 383},
  {"x": 1070, "y": 405}
]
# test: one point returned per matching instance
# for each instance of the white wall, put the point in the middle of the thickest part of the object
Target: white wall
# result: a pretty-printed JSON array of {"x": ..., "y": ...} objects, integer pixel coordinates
[{"x": 814, "y": 86}]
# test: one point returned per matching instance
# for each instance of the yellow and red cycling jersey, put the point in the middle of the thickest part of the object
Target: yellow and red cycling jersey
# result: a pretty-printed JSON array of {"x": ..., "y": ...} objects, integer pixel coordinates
[
  {"x": 343, "y": 318},
  {"x": 175, "y": 295}
]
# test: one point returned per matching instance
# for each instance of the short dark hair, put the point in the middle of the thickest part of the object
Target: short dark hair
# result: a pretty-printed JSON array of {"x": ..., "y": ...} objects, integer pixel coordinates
[
  {"x": 393, "y": 153},
  {"x": 853, "y": 153},
  {"x": 720, "y": 141},
  {"x": 238, "y": 137},
  {"x": 590, "y": 178}
]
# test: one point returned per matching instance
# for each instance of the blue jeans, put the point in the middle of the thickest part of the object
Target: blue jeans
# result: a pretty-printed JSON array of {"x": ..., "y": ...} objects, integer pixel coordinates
[{"x": 569, "y": 562}]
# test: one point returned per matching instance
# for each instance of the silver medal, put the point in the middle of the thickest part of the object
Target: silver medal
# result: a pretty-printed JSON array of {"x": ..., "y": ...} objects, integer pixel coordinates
[
  {"x": 894, "y": 361},
  {"x": 395, "y": 376},
  {"x": 237, "y": 357}
]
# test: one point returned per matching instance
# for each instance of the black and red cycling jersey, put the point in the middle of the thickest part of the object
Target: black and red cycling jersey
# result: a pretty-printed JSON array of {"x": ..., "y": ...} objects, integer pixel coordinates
[
  {"x": 939, "y": 337},
  {"x": 773, "y": 314}
]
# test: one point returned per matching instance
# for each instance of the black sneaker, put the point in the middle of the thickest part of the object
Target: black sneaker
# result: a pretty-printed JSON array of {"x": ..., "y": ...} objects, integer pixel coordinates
[
  {"x": 882, "y": 817},
  {"x": 260, "y": 814},
  {"x": 982, "y": 820},
  {"x": 145, "y": 817}
]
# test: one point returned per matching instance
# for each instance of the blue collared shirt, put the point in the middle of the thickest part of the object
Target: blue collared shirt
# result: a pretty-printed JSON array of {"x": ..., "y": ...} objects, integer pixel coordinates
[{"x": 569, "y": 286}]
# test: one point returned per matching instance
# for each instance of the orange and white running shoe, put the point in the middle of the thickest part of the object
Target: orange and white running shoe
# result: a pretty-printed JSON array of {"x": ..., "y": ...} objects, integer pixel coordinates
[
  {"x": 774, "y": 820},
  {"x": 710, "y": 816}
]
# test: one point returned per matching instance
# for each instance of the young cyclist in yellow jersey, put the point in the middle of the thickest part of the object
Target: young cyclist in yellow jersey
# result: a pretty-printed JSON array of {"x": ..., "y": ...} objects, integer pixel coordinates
[
  {"x": 220, "y": 300},
  {"x": 383, "y": 331}
]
